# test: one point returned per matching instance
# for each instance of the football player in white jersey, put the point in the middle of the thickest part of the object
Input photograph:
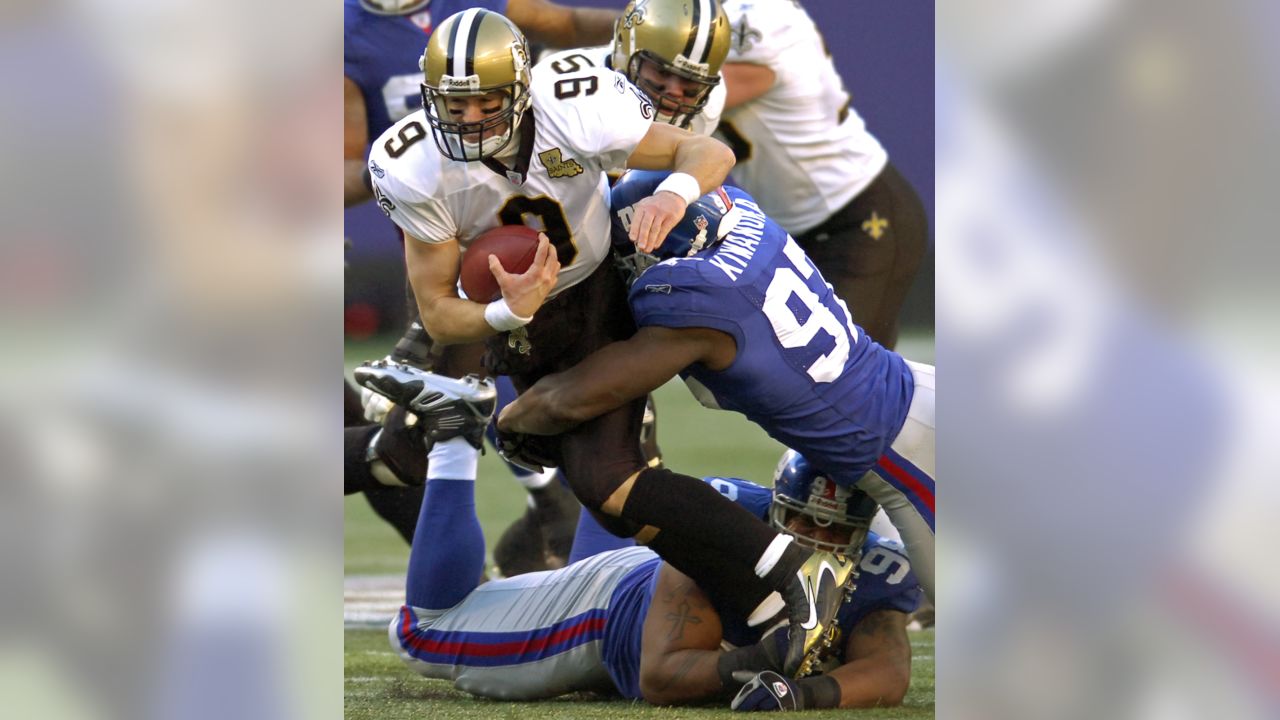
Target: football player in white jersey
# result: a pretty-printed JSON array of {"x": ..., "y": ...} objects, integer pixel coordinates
[
  {"x": 498, "y": 143},
  {"x": 382, "y": 40},
  {"x": 806, "y": 156},
  {"x": 673, "y": 51}
]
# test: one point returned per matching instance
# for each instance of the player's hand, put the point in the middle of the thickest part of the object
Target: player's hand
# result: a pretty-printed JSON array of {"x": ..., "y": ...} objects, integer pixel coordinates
[
  {"x": 772, "y": 648},
  {"x": 376, "y": 405},
  {"x": 534, "y": 453},
  {"x": 765, "y": 691},
  {"x": 653, "y": 217},
  {"x": 526, "y": 292}
]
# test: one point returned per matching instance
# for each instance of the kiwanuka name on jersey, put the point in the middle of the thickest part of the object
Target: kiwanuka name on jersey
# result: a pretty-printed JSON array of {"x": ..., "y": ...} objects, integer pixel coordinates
[
  {"x": 583, "y": 122},
  {"x": 803, "y": 371}
]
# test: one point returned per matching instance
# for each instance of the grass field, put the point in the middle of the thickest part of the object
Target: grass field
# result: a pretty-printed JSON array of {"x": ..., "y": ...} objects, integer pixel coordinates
[
  {"x": 379, "y": 687},
  {"x": 695, "y": 441}
]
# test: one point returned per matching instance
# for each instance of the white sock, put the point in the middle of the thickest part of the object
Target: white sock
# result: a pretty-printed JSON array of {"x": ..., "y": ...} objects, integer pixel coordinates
[{"x": 453, "y": 460}]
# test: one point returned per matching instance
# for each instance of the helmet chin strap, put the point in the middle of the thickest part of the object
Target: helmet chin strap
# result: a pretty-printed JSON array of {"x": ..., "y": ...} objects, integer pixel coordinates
[{"x": 486, "y": 146}]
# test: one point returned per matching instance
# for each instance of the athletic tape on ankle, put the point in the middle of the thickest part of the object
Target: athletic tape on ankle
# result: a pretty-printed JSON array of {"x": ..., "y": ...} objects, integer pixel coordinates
[{"x": 453, "y": 459}]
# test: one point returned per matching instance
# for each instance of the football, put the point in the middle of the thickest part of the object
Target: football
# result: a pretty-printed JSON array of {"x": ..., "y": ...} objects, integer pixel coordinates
[{"x": 514, "y": 246}]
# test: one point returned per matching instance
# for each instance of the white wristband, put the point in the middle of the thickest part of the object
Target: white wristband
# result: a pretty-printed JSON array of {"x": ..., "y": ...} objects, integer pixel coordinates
[
  {"x": 682, "y": 184},
  {"x": 500, "y": 317}
]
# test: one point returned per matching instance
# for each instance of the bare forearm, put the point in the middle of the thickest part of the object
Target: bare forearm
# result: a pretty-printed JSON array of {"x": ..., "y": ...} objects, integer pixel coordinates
[
  {"x": 878, "y": 666},
  {"x": 453, "y": 321},
  {"x": 685, "y": 676},
  {"x": 592, "y": 26},
  {"x": 607, "y": 379},
  {"x": 536, "y": 411},
  {"x": 706, "y": 159},
  {"x": 559, "y": 26},
  {"x": 872, "y": 682}
]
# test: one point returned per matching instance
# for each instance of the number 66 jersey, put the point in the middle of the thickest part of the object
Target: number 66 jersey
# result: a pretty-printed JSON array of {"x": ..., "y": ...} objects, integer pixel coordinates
[
  {"x": 583, "y": 122},
  {"x": 803, "y": 371}
]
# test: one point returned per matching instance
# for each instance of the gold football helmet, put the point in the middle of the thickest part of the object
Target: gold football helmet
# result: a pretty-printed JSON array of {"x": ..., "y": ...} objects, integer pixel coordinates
[
  {"x": 472, "y": 54},
  {"x": 685, "y": 38}
]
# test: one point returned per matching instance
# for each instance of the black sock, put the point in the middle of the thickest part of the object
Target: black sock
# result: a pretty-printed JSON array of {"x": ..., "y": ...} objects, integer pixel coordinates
[
  {"x": 732, "y": 586},
  {"x": 692, "y": 508},
  {"x": 703, "y": 534}
]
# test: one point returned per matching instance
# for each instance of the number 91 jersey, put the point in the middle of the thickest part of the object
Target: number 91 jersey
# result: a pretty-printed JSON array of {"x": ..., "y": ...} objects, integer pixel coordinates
[
  {"x": 583, "y": 122},
  {"x": 803, "y": 371}
]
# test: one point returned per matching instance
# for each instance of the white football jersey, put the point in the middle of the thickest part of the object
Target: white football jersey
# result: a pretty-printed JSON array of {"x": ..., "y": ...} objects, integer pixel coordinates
[
  {"x": 704, "y": 123},
  {"x": 803, "y": 153},
  {"x": 586, "y": 121}
]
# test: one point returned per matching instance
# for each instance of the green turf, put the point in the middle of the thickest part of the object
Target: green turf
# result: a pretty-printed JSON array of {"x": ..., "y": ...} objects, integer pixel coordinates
[{"x": 379, "y": 686}]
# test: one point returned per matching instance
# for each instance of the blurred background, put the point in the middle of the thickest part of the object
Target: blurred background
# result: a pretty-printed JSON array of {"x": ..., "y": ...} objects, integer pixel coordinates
[{"x": 1106, "y": 338}]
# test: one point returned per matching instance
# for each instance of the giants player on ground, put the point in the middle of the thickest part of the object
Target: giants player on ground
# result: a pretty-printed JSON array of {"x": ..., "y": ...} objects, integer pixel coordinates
[{"x": 624, "y": 621}]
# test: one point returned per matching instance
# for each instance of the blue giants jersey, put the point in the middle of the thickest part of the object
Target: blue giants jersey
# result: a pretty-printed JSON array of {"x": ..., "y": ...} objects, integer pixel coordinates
[
  {"x": 381, "y": 52},
  {"x": 628, "y": 606},
  {"x": 885, "y": 582},
  {"x": 803, "y": 371}
]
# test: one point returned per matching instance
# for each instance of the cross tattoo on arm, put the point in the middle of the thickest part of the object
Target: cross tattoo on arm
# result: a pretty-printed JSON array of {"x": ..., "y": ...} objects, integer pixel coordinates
[{"x": 680, "y": 618}]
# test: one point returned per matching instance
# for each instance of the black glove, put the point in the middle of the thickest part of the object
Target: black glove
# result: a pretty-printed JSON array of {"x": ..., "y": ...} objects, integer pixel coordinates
[
  {"x": 531, "y": 452},
  {"x": 768, "y": 654},
  {"x": 766, "y": 691},
  {"x": 770, "y": 691}
]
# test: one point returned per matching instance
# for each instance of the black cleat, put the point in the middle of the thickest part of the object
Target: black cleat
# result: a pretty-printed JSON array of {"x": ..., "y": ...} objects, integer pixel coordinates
[
  {"x": 813, "y": 597},
  {"x": 447, "y": 407}
]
